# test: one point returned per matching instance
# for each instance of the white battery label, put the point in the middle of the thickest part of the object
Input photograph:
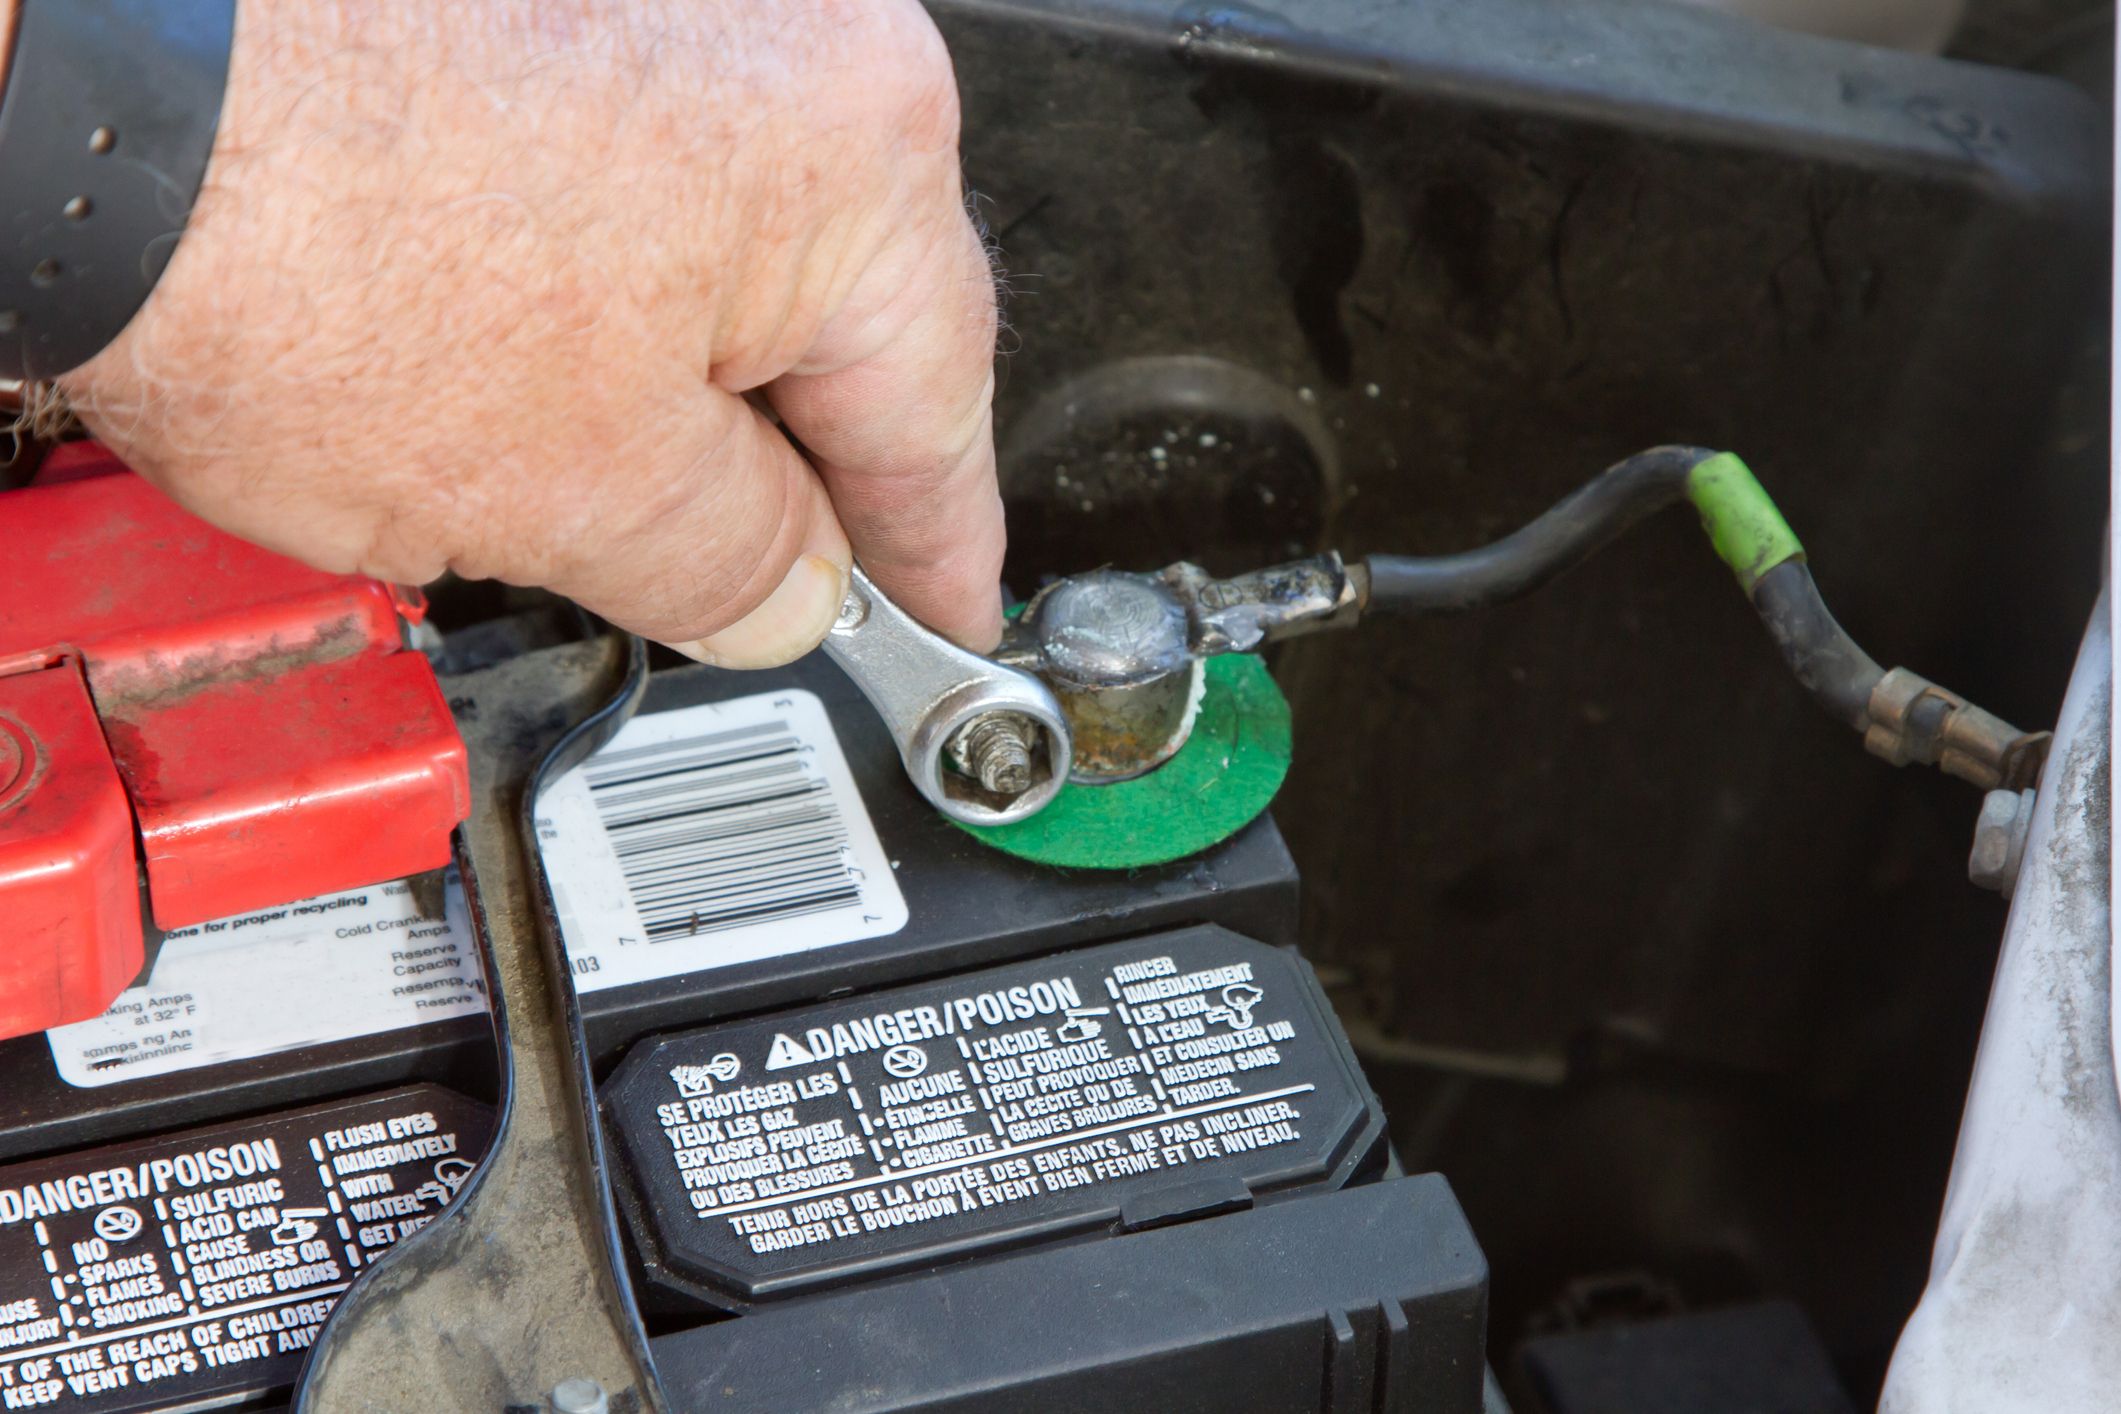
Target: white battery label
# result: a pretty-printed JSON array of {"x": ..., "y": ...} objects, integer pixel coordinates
[
  {"x": 324, "y": 969},
  {"x": 713, "y": 835}
]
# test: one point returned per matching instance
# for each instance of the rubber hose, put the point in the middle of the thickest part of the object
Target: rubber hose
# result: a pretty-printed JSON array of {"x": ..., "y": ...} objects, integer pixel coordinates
[
  {"x": 1825, "y": 659},
  {"x": 1742, "y": 524},
  {"x": 1563, "y": 537}
]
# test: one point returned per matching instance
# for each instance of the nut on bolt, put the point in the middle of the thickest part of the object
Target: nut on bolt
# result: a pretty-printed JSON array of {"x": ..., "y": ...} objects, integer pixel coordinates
[
  {"x": 984, "y": 742},
  {"x": 580, "y": 1396},
  {"x": 996, "y": 750},
  {"x": 1999, "y": 840}
]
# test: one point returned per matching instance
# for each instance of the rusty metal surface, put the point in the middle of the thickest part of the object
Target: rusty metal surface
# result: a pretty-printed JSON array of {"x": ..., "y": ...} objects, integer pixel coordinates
[
  {"x": 517, "y": 1287},
  {"x": 1251, "y": 610},
  {"x": 1125, "y": 732},
  {"x": 1915, "y": 721},
  {"x": 1122, "y": 651}
]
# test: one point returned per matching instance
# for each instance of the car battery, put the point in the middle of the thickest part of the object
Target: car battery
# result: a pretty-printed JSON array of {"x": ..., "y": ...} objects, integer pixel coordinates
[
  {"x": 353, "y": 991},
  {"x": 191, "y": 727},
  {"x": 862, "y": 1074},
  {"x": 854, "y": 1062}
]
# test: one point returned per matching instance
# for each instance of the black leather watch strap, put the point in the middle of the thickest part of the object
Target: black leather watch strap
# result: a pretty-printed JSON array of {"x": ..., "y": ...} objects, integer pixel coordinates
[{"x": 105, "y": 130}]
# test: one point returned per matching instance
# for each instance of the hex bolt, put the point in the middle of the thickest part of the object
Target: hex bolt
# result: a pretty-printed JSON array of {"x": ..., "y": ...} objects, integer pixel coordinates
[
  {"x": 1999, "y": 840},
  {"x": 580, "y": 1396},
  {"x": 997, "y": 752}
]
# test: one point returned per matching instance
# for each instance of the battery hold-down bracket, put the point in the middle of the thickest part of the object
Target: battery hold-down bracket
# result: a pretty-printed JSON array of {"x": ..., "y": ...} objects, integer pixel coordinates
[
  {"x": 1102, "y": 1091},
  {"x": 239, "y": 728}
]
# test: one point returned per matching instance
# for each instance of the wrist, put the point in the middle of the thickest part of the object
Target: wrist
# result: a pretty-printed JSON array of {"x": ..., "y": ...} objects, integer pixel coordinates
[{"x": 106, "y": 123}]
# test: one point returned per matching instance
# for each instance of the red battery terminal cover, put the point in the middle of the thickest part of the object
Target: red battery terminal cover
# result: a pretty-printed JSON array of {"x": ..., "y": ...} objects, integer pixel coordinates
[{"x": 250, "y": 730}]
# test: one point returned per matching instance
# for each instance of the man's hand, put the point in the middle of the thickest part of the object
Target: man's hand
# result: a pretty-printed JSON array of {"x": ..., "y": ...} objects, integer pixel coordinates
[{"x": 505, "y": 286}]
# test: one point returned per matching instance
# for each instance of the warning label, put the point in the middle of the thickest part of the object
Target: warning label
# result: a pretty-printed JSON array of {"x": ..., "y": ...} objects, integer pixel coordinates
[
  {"x": 1044, "y": 1097},
  {"x": 324, "y": 969},
  {"x": 200, "y": 1267}
]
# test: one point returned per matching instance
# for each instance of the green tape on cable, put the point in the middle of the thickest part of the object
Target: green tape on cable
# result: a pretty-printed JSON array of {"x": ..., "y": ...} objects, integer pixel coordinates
[
  {"x": 1221, "y": 780},
  {"x": 1749, "y": 534}
]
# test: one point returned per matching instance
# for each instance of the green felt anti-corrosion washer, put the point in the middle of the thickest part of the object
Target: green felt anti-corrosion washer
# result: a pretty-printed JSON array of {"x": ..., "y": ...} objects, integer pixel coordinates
[{"x": 1221, "y": 780}]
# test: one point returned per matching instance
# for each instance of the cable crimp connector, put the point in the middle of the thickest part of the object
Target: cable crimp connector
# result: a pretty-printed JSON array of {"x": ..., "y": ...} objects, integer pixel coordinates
[{"x": 1912, "y": 720}]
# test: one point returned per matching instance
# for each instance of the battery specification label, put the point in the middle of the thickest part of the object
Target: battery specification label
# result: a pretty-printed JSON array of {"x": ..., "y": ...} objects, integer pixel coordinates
[
  {"x": 200, "y": 1267},
  {"x": 323, "y": 969},
  {"x": 1078, "y": 1091},
  {"x": 712, "y": 835}
]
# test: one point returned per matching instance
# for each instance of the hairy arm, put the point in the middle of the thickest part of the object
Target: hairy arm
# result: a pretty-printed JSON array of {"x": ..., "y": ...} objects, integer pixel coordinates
[{"x": 670, "y": 307}]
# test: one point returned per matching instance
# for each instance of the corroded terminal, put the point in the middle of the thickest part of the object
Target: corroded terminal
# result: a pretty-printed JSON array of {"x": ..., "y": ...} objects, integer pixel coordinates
[{"x": 1123, "y": 651}]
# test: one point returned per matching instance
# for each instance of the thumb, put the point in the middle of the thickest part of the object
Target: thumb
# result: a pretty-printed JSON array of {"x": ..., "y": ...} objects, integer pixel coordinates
[{"x": 726, "y": 548}]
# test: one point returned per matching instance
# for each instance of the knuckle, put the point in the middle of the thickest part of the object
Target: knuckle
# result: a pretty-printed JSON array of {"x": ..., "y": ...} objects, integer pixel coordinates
[
  {"x": 929, "y": 108},
  {"x": 962, "y": 572},
  {"x": 908, "y": 89}
]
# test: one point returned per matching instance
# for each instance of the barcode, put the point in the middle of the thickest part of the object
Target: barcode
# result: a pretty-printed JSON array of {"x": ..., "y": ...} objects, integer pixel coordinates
[{"x": 723, "y": 830}]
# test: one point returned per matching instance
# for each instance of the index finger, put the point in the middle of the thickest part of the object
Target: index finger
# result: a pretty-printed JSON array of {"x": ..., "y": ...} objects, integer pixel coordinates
[{"x": 898, "y": 418}]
